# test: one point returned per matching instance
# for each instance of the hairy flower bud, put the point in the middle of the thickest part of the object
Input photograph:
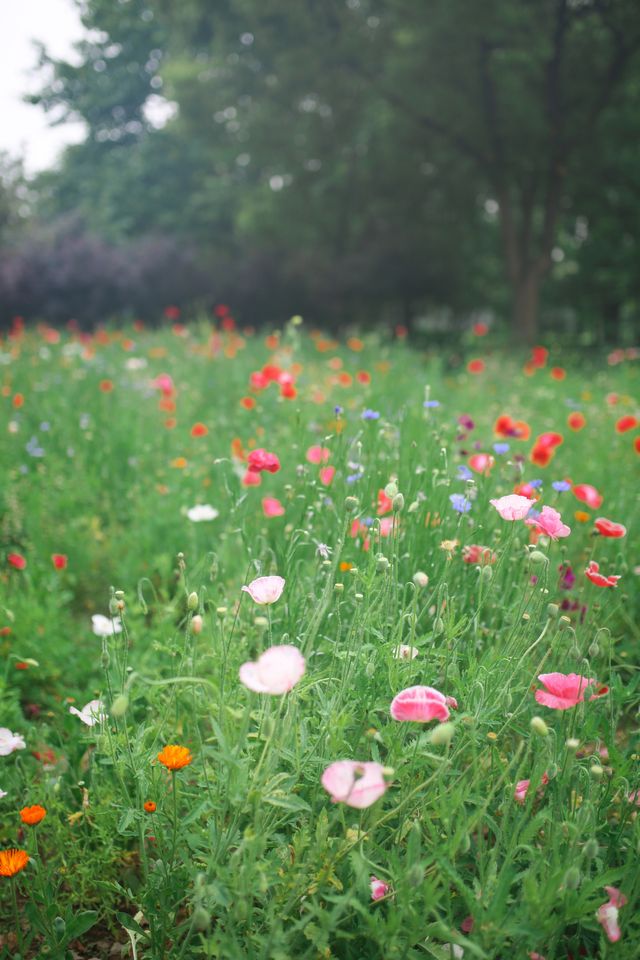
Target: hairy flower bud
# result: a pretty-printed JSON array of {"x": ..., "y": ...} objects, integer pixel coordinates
[{"x": 539, "y": 726}]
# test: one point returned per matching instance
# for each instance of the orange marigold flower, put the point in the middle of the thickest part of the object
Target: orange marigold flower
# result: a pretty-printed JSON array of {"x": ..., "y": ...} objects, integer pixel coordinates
[
  {"x": 12, "y": 861},
  {"x": 581, "y": 516},
  {"x": 199, "y": 430},
  {"x": 174, "y": 757},
  {"x": 33, "y": 815},
  {"x": 149, "y": 806},
  {"x": 345, "y": 565}
]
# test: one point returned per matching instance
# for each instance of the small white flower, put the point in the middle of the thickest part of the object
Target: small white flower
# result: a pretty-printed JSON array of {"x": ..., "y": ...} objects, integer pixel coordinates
[
  {"x": 404, "y": 652},
  {"x": 202, "y": 511},
  {"x": 3, "y": 793},
  {"x": 10, "y": 741},
  {"x": 136, "y": 363},
  {"x": 91, "y": 713},
  {"x": 105, "y": 626},
  {"x": 323, "y": 551}
]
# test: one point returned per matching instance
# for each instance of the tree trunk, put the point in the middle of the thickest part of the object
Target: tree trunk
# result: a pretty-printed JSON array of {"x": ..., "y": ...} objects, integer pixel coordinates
[{"x": 526, "y": 298}]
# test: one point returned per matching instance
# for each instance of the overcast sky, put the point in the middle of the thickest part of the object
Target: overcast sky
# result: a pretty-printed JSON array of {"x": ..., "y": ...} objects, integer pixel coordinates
[{"x": 24, "y": 130}]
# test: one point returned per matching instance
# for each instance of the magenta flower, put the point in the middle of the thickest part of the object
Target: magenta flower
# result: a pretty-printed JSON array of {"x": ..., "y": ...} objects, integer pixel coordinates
[
  {"x": 354, "y": 783},
  {"x": 549, "y": 522},
  {"x": 265, "y": 590},
  {"x": 522, "y": 788},
  {"x": 276, "y": 671},
  {"x": 512, "y": 507},
  {"x": 379, "y": 888},
  {"x": 565, "y": 690},
  {"x": 607, "y": 914},
  {"x": 421, "y": 704}
]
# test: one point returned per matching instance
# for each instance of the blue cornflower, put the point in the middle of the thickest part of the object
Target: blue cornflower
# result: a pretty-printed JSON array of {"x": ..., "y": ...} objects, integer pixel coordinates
[
  {"x": 431, "y": 403},
  {"x": 463, "y": 472},
  {"x": 370, "y": 415},
  {"x": 337, "y": 410},
  {"x": 460, "y": 503},
  {"x": 561, "y": 486},
  {"x": 535, "y": 483},
  {"x": 501, "y": 447},
  {"x": 352, "y": 478}
]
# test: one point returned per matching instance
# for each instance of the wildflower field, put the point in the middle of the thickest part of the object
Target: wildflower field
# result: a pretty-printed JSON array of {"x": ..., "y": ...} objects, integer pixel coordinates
[{"x": 317, "y": 649}]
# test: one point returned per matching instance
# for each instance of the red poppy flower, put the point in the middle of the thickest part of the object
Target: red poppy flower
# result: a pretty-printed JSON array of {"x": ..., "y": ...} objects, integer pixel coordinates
[
  {"x": 18, "y": 401},
  {"x": 506, "y": 426},
  {"x": 576, "y": 421},
  {"x": 385, "y": 504},
  {"x": 599, "y": 579},
  {"x": 260, "y": 459},
  {"x": 258, "y": 381},
  {"x": 526, "y": 490},
  {"x": 607, "y": 528},
  {"x": 271, "y": 372},
  {"x": 248, "y": 403},
  {"x": 626, "y": 423},
  {"x": 363, "y": 377},
  {"x": 475, "y": 366},
  {"x": 106, "y": 386},
  {"x": 588, "y": 494},
  {"x": 539, "y": 356},
  {"x": 288, "y": 391},
  {"x": 541, "y": 455},
  {"x": 172, "y": 312},
  {"x": 59, "y": 560},
  {"x": 199, "y": 430},
  {"x": 221, "y": 310},
  {"x": 558, "y": 373},
  {"x": 17, "y": 561},
  {"x": 228, "y": 324},
  {"x": 480, "y": 329}
]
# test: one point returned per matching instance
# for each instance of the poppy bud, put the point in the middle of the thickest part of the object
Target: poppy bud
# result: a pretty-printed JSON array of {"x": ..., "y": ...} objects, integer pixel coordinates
[
  {"x": 572, "y": 744},
  {"x": 382, "y": 564},
  {"x": 196, "y": 623},
  {"x": 105, "y": 660},
  {"x": 261, "y": 622},
  {"x": 119, "y": 706},
  {"x": 398, "y": 503},
  {"x": 594, "y": 649},
  {"x": 413, "y": 506},
  {"x": 221, "y": 611},
  {"x": 338, "y": 588},
  {"x": 201, "y": 918},
  {"x": 443, "y": 735},
  {"x": 192, "y": 601},
  {"x": 465, "y": 844},
  {"x": 415, "y": 875},
  {"x": 596, "y": 771},
  {"x": 486, "y": 573},
  {"x": 590, "y": 849},
  {"x": 553, "y": 610},
  {"x": 391, "y": 489},
  {"x": 420, "y": 579},
  {"x": 537, "y": 558},
  {"x": 113, "y": 606},
  {"x": 539, "y": 726},
  {"x": 572, "y": 878},
  {"x": 438, "y": 626},
  {"x": 351, "y": 504}
]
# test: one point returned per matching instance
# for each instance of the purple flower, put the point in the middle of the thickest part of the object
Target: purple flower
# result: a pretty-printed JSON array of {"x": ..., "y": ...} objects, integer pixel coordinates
[
  {"x": 501, "y": 447},
  {"x": 567, "y": 577},
  {"x": 337, "y": 411},
  {"x": 465, "y": 421},
  {"x": 354, "y": 477},
  {"x": 535, "y": 483},
  {"x": 460, "y": 503},
  {"x": 431, "y": 403},
  {"x": 463, "y": 472},
  {"x": 561, "y": 486},
  {"x": 370, "y": 415}
]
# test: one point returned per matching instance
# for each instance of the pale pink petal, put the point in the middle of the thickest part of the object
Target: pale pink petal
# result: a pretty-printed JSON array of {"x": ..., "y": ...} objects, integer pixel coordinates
[
  {"x": 275, "y": 672},
  {"x": 419, "y": 704},
  {"x": 265, "y": 590},
  {"x": 250, "y": 678}
]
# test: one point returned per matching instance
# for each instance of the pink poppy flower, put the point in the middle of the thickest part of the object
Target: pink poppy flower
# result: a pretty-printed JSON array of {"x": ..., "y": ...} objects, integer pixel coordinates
[
  {"x": 265, "y": 589},
  {"x": 326, "y": 475},
  {"x": 607, "y": 914},
  {"x": 599, "y": 578},
  {"x": 481, "y": 463},
  {"x": 588, "y": 494},
  {"x": 251, "y": 479},
  {"x": 550, "y": 523},
  {"x": 565, "y": 690},
  {"x": 276, "y": 671},
  {"x": 379, "y": 888},
  {"x": 522, "y": 788},
  {"x": 318, "y": 454},
  {"x": 271, "y": 507},
  {"x": 512, "y": 507},
  {"x": 259, "y": 460},
  {"x": 354, "y": 783},
  {"x": 420, "y": 705},
  {"x": 607, "y": 528},
  {"x": 164, "y": 383}
]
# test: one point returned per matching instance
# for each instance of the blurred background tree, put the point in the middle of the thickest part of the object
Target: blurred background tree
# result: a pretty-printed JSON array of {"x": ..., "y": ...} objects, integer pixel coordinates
[{"x": 360, "y": 160}]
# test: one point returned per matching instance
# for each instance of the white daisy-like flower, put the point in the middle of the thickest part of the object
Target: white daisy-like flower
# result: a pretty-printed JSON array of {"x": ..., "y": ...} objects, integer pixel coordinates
[
  {"x": 91, "y": 713},
  {"x": 105, "y": 626},
  {"x": 202, "y": 511}
]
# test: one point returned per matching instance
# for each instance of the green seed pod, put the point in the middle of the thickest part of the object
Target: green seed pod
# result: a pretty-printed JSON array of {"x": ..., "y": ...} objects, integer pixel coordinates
[
  {"x": 351, "y": 504},
  {"x": 553, "y": 610},
  {"x": 537, "y": 558},
  {"x": 382, "y": 564},
  {"x": 572, "y": 878},
  {"x": 539, "y": 726},
  {"x": 590, "y": 849},
  {"x": 443, "y": 735},
  {"x": 338, "y": 588},
  {"x": 120, "y": 705},
  {"x": 192, "y": 601},
  {"x": 596, "y": 771}
]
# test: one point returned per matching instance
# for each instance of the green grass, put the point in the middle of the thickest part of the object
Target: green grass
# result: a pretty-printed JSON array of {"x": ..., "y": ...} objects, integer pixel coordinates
[{"x": 249, "y": 857}]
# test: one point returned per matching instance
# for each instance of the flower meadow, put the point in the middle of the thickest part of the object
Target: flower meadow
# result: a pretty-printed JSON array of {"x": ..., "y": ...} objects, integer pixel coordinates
[{"x": 317, "y": 648}]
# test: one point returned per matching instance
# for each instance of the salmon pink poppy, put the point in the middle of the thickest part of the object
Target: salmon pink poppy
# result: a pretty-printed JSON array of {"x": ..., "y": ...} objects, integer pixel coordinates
[
  {"x": 251, "y": 479},
  {"x": 260, "y": 459},
  {"x": 481, "y": 463},
  {"x": 358, "y": 784},
  {"x": 265, "y": 590},
  {"x": 588, "y": 494},
  {"x": 593, "y": 573},
  {"x": 475, "y": 554},
  {"x": 276, "y": 671},
  {"x": 607, "y": 528},
  {"x": 59, "y": 560},
  {"x": 522, "y": 788},
  {"x": 566, "y": 690},
  {"x": 271, "y": 507},
  {"x": 421, "y": 705},
  {"x": 385, "y": 503},
  {"x": 607, "y": 914},
  {"x": 526, "y": 490},
  {"x": 318, "y": 454},
  {"x": 512, "y": 507},
  {"x": 549, "y": 522},
  {"x": 16, "y": 560},
  {"x": 164, "y": 383},
  {"x": 326, "y": 475},
  {"x": 626, "y": 423}
]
